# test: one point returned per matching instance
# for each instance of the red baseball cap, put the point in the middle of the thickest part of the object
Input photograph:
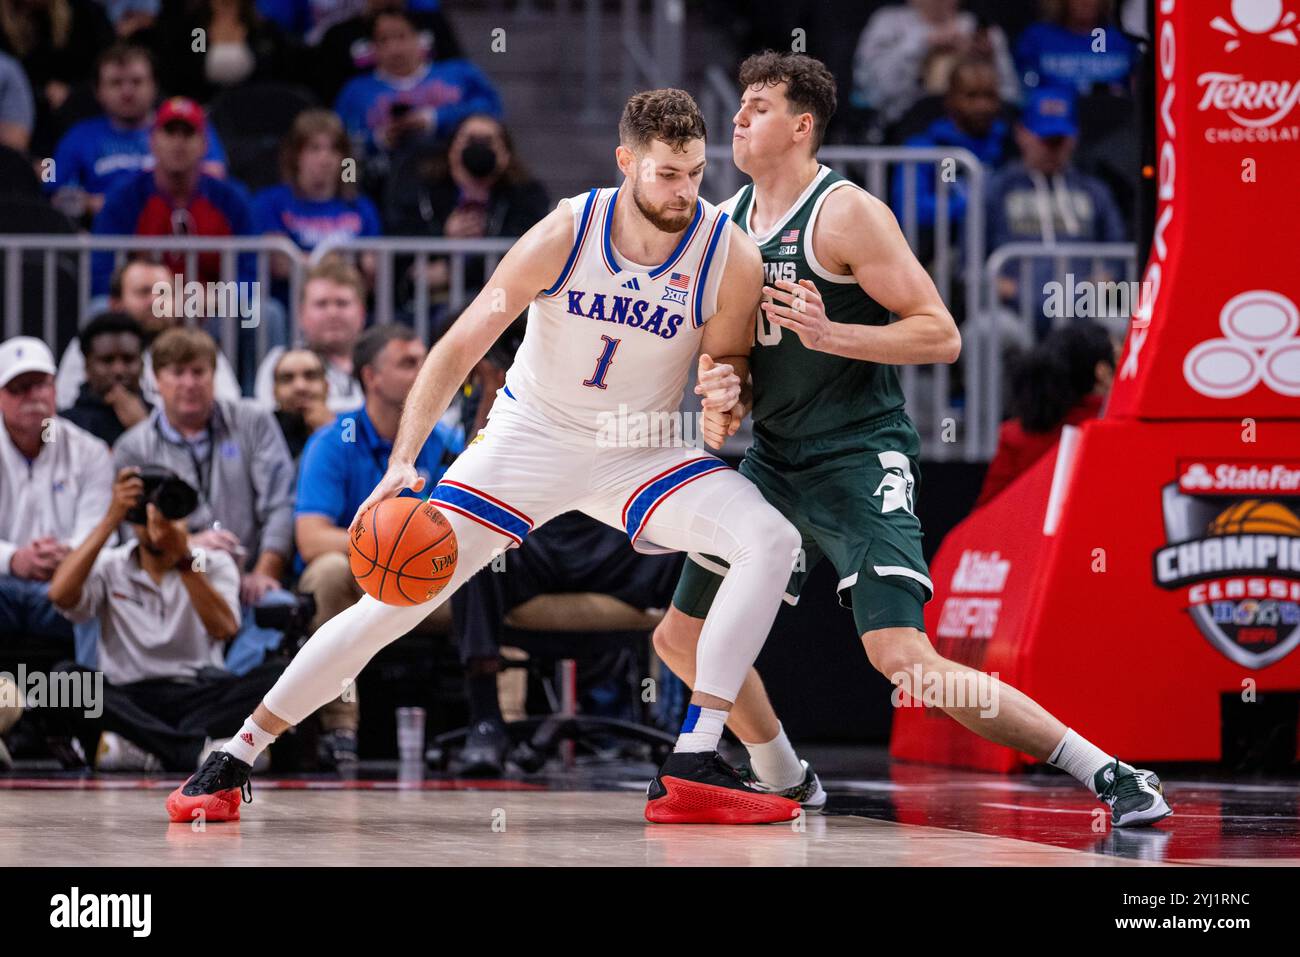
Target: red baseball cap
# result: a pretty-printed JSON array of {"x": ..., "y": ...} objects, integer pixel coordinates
[{"x": 180, "y": 109}]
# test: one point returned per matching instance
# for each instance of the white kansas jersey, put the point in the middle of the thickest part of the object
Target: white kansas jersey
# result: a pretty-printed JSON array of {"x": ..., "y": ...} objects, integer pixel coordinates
[{"x": 612, "y": 333}]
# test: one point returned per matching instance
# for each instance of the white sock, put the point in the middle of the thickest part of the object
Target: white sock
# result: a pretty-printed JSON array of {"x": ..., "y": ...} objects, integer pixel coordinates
[
  {"x": 251, "y": 741},
  {"x": 701, "y": 729},
  {"x": 775, "y": 762},
  {"x": 1080, "y": 758}
]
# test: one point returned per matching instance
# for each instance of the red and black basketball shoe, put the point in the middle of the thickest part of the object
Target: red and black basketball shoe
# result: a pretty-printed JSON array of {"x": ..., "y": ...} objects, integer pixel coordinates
[
  {"x": 214, "y": 792},
  {"x": 698, "y": 787}
]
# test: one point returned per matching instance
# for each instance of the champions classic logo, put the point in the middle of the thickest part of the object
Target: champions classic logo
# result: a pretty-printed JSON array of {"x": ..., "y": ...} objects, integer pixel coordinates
[
  {"x": 1234, "y": 552},
  {"x": 1257, "y": 107}
]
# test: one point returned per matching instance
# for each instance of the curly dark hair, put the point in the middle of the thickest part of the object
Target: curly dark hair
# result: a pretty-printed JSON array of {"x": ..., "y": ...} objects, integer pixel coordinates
[
  {"x": 668, "y": 115},
  {"x": 810, "y": 87}
]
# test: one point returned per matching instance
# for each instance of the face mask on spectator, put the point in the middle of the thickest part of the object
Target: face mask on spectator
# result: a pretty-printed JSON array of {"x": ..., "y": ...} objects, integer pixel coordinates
[{"x": 478, "y": 158}]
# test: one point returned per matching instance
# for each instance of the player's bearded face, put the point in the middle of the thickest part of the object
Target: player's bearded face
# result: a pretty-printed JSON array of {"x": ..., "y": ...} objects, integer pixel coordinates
[{"x": 670, "y": 216}]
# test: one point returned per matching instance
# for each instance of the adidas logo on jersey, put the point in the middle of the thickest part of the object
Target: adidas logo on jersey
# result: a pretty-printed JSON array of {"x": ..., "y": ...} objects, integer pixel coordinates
[
  {"x": 626, "y": 311},
  {"x": 633, "y": 284}
]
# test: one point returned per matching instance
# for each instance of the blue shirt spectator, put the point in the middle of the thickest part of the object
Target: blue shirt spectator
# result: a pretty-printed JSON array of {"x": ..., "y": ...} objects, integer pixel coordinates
[
  {"x": 308, "y": 222},
  {"x": 406, "y": 97},
  {"x": 314, "y": 204},
  {"x": 971, "y": 122},
  {"x": 175, "y": 199},
  {"x": 1081, "y": 48},
  {"x": 98, "y": 154},
  {"x": 343, "y": 462},
  {"x": 1043, "y": 199}
]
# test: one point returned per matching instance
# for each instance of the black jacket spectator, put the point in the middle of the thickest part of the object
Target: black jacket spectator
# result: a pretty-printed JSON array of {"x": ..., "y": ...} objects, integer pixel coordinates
[
  {"x": 262, "y": 54},
  {"x": 56, "y": 41}
]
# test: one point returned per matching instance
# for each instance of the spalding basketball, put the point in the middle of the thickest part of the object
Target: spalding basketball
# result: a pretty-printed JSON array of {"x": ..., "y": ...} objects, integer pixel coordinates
[{"x": 402, "y": 551}]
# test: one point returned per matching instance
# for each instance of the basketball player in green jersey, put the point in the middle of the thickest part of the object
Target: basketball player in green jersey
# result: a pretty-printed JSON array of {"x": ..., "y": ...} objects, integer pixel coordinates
[{"x": 833, "y": 447}]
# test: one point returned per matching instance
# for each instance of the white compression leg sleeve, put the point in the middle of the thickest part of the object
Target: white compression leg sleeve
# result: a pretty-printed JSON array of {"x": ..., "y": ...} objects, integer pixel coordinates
[
  {"x": 334, "y": 656},
  {"x": 724, "y": 514}
]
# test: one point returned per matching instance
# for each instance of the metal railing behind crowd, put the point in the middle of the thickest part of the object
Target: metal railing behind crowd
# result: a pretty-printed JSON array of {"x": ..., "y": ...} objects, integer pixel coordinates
[
  {"x": 1032, "y": 288},
  {"x": 953, "y": 422}
]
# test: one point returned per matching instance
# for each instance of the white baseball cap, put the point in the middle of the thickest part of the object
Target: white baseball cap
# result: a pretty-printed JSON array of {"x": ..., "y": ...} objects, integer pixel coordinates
[{"x": 24, "y": 354}]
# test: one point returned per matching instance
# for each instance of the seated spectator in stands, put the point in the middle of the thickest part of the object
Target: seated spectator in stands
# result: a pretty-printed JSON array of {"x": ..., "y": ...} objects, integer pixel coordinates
[
  {"x": 300, "y": 390},
  {"x": 97, "y": 154},
  {"x": 17, "y": 107},
  {"x": 1063, "y": 381},
  {"x": 176, "y": 198},
  {"x": 478, "y": 187},
  {"x": 407, "y": 98},
  {"x": 343, "y": 48},
  {"x": 907, "y": 52},
  {"x": 1079, "y": 45},
  {"x": 56, "y": 41},
  {"x": 315, "y": 204},
  {"x": 55, "y": 482},
  {"x": 331, "y": 315},
  {"x": 971, "y": 122},
  {"x": 1043, "y": 198},
  {"x": 235, "y": 455},
  {"x": 339, "y": 469},
  {"x": 110, "y": 401},
  {"x": 165, "y": 613},
  {"x": 143, "y": 291},
  {"x": 242, "y": 47}
]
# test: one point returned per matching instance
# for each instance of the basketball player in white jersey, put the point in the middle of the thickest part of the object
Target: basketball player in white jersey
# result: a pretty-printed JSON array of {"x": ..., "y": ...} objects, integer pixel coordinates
[{"x": 609, "y": 332}]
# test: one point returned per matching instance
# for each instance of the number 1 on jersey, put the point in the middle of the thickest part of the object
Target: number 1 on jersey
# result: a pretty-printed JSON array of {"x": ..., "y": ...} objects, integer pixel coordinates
[{"x": 597, "y": 380}]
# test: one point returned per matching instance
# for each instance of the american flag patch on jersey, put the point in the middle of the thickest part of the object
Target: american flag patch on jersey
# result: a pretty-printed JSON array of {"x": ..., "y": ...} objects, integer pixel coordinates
[
  {"x": 790, "y": 236},
  {"x": 679, "y": 280}
]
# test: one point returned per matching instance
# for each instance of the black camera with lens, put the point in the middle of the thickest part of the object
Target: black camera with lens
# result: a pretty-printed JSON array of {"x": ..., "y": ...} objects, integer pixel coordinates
[{"x": 165, "y": 490}]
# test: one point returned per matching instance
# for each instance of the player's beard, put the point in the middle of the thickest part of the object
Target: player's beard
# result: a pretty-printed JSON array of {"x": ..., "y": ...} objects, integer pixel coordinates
[{"x": 662, "y": 218}]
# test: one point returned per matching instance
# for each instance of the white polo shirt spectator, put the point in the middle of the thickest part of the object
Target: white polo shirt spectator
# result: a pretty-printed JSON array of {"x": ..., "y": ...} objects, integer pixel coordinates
[
  {"x": 63, "y": 492},
  {"x": 150, "y": 629}
]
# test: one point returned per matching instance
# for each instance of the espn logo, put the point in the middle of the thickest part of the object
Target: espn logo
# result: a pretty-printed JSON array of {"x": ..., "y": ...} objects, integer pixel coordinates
[{"x": 1217, "y": 476}]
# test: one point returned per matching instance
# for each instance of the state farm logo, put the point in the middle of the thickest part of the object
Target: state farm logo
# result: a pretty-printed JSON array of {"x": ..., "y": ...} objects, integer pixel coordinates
[
  {"x": 974, "y": 617},
  {"x": 1208, "y": 477},
  {"x": 1256, "y": 105},
  {"x": 1258, "y": 345}
]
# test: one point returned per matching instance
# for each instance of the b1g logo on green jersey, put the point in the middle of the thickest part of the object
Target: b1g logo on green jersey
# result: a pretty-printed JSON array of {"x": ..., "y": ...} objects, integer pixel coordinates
[{"x": 767, "y": 332}]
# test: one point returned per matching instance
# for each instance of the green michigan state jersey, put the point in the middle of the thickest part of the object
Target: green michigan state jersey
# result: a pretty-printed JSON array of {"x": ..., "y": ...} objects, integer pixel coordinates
[{"x": 799, "y": 392}]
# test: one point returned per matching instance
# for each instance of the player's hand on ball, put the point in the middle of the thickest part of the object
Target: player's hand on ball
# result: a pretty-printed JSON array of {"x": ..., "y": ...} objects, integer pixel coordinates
[
  {"x": 799, "y": 308},
  {"x": 717, "y": 384},
  {"x": 395, "y": 479}
]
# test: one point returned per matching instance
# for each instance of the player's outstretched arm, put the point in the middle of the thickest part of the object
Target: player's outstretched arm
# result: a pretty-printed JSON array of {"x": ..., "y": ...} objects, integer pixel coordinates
[
  {"x": 530, "y": 266},
  {"x": 723, "y": 374},
  {"x": 858, "y": 234}
]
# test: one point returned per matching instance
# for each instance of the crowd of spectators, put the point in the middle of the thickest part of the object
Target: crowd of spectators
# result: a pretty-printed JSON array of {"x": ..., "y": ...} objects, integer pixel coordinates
[{"x": 270, "y": 451}]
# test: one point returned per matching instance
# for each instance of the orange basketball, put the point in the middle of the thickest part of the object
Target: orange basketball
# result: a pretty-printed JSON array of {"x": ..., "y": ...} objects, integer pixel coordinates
[
  {"x": 402, "y": 551},
  {"x": 1256, "y": 517}
]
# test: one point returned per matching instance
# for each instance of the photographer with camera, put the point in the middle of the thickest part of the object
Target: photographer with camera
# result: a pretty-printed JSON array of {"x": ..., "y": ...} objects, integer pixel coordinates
[
  {"x": 234, "y": 455},
  {"x": 165, "y": 612}
]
